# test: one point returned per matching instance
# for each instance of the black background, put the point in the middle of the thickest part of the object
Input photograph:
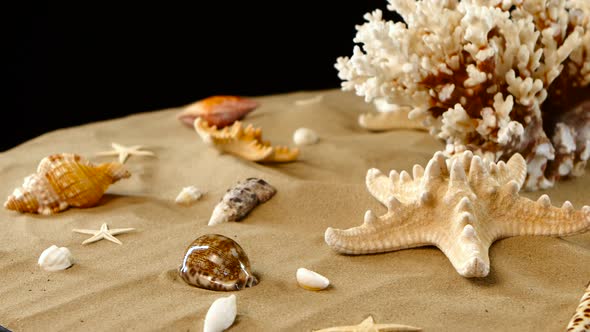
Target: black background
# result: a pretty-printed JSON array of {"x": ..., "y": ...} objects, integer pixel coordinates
[{"x": 75, "y": 63}]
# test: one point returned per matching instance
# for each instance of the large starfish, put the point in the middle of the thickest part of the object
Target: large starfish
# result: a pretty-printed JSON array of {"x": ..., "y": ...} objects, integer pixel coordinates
[
  {"x": 103, "y": 233},
  {"x": 461, "y": 205},
  {"x": 125, "y": 151},
  {"x": 368, "y": 325}
]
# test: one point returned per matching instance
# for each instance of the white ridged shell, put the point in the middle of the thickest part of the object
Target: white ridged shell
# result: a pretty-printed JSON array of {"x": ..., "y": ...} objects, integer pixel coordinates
[
  {"x": 221, "y": 314},
  {"x": 55, "y": 258},
  {"x": 305, "y": 136},
  {"x": 189, "y": 195},
  {"x": 311, "y": 280}
]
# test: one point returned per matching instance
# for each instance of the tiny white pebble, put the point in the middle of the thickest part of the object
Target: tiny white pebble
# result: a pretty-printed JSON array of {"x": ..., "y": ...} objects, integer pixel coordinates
[{"x": 305, "y": 136}]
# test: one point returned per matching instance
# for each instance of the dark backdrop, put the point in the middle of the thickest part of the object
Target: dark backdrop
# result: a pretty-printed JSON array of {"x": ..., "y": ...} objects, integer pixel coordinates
[{"x": 81, "y": 62}]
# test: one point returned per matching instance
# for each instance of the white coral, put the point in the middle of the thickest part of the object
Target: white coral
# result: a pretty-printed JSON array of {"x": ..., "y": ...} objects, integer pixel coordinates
[{"x": 479, "y": 73}]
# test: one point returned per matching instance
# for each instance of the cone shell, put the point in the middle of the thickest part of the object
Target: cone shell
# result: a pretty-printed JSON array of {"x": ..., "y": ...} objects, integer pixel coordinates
[
  {"x": 311, "y": 280},
  {"x": 55, "y": 259},
  {"x": 217, "y": 263},
  {"x": 218, "y": 111},
  {"x": 64, "y": 180},
  {"x": 221, "y": 314}
]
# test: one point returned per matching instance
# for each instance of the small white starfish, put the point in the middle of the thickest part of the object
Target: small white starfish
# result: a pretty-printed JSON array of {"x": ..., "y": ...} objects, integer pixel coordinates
[
  {"x": 368, "y": 325},
  {"x": 103, "y": 233},
  {"x": 125, "y": 151}
]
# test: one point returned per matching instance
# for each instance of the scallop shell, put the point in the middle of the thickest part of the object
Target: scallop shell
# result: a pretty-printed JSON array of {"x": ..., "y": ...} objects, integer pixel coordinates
[
  {"x": 218, "y": 111},
  {"x": 55, "y": 259},
  {"x": 305, "y": 136},
  {"x": 218, "y": 263},
  {"x": 221, "y": 314},
  {"x": 311, "y": 280},
  {"x": 64, "y": 180}
]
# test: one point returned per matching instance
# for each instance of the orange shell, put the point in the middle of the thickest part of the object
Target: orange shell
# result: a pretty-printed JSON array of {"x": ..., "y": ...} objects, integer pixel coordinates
[
  {"x": 218, "y": 111},
  {"x": 64, "y": 180}
]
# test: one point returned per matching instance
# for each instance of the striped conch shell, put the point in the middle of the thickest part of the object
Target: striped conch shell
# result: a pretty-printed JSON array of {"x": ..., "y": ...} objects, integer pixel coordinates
[
  {"x": 244, "y": 142},
  {"x": 64, "y": 180},
  {"x": 219, "y": 111},
  {"x": 581, "y": 320}
]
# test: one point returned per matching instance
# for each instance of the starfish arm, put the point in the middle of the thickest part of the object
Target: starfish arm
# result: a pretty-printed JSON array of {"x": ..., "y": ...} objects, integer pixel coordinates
[
  {"x": 527, "y": 217},
  {"x": 120, "y": 230},
  {"x": 84, "y": 231},
  {"x": 383, "y": 187},
  {"x": 468, "y": 250},
  {"x": 123, "y": 156},
  {"x": 95, "y": 238},
  {"x": 144, "y": 153},
  {"x": 111, "y": 238},
  {"x": 379, "y": 234}
]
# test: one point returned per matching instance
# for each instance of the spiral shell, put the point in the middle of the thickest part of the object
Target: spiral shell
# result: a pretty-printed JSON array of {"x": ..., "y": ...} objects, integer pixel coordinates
[
  {"x": 217, "y": 263},
  {"x": 55, "y": 259},
  {"x": 64, "y": 180}
]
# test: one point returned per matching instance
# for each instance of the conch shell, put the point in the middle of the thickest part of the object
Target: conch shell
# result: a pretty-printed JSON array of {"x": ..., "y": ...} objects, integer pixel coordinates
[
  {"x": 64, "y": 180},
  {"x": 244, "y": 142},
  {"x": 216, "y": 262},
  {"x": 218, "y": 111}
]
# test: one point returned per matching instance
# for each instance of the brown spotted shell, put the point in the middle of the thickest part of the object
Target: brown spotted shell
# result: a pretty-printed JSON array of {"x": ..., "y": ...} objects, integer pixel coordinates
[{"x": 218, "y": 263}]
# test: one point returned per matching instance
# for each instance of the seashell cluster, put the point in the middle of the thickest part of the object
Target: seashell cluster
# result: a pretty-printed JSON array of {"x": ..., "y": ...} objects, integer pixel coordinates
[
  {"x": 55, "y": 259},
  {"x": 221, "y": 314},
  {"x": 240, "y": 200},
  {"x": 246, "y": 142},
  {"x": 218, "y": 263},
  {"x": 64, "y": 180},
  {"x": 494, "y": 77},
  {"x": 188, "y": 195},
  {"x": 311, "y": 280},
  {"x": 305, "y": 136},
  {"x": 580, "y": 321},
  {"x": 460, "y": 205},
  {"x": 217, "y": 111}
]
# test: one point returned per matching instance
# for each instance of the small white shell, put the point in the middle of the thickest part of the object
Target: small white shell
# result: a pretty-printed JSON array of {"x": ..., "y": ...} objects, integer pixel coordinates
[
  {"x": 221, "y": 314},
  {"x": 305, "y": 136},
  {"x": 55, "y": 259},
  {"x": 311, "y": 280},
  {"x": 189, "y": 195}
]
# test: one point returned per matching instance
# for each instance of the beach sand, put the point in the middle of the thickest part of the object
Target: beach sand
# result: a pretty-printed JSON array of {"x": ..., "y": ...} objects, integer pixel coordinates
[{"x": 535, "y": 283}]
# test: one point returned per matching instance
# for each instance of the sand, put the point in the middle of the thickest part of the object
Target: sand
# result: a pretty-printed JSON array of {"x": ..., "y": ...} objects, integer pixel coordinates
[{"x": 535, "y": 283}]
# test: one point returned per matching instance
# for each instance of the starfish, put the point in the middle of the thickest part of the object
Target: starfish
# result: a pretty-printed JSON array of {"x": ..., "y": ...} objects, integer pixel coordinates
[
  {"x": 125, "y": 151},
  {"x": 460, "y": 205},
  {"x": 368, "y": 325},
  {"x": 103, "y": 233}
]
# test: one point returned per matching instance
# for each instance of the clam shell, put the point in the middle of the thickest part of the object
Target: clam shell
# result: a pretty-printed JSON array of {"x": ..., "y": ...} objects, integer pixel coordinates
[
  {"x": 218, "y": 263},
  {"x": 221, "y": 314},
  {"x": 55, "y": 259},
  {"x": 305, "y": 136},
  {"x": 64, "y": 180},
  {"x": 218, "y": 111},
  {"x": 311, "y": 280},
  {"x": 188, "y": 195}
]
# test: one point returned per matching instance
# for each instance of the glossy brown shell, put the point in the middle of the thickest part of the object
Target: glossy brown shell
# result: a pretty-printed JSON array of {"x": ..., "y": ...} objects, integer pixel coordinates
[{"x": 218, "y": 263}]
